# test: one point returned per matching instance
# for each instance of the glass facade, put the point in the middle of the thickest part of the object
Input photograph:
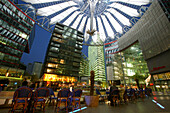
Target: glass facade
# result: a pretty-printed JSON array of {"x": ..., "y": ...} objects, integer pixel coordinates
[
  {"x": 15, "y": 30},
  {"x": 64, "y": 51},
  {"x": 110, "y": 49},
  {"x": 129, "y": 64},
  {"x": 84, "y": 66},
  {"x": 97, "y": 62},
  {"x": 165, "y": 4}
]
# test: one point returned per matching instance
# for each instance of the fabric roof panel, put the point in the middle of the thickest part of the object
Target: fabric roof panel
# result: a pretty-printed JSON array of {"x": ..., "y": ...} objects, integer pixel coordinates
[{"x": 74, "y": 13}]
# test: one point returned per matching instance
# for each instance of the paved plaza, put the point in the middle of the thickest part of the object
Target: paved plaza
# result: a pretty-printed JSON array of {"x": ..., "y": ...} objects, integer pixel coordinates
[{"x": 158, "y": 103}]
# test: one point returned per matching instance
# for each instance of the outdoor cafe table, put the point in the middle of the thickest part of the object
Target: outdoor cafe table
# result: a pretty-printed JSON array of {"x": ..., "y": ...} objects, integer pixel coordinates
[{"x": 5, "y": 96}]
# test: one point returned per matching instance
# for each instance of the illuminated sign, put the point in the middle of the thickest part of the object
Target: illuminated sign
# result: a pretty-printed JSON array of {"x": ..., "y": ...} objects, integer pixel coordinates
[
  {"x": 162, "y": 76},
  {"x": 52, "y": 77},
  {"x": 157, "y": 68}
]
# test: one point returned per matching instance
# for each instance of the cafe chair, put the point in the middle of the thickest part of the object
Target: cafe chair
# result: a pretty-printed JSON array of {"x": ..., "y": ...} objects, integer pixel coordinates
[
  {"x": 62, "y": 97},
  {"x": 76, "y": 96},
  {"x": 125, "y": 97},
  {"x": 101, "y": 97},
  {"x": 21, "y": 99},
  {"x": 148, "y": 92},
  {"x": 115, "y": 97},
  {"x": 131, "y": 95},
  {"x": 52, "y": 96},
  {"x": 40, "y": 97},
  {"x": 141, "y": 94}
]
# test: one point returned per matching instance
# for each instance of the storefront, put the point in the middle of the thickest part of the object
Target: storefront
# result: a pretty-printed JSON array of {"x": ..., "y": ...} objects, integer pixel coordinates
[
  {"x": 11, "y": 78},
  {"x": 162, "y": 81}
]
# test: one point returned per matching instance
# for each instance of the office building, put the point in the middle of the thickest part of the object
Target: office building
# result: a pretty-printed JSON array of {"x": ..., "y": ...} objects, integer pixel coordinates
[
  {"x": 63, "y": 57},
  {"x": 97, "y": 62},
  {"x": 34, "y": 69},
  {"x": 15, "y": 30},
  {"x": 84, "y": 67}
]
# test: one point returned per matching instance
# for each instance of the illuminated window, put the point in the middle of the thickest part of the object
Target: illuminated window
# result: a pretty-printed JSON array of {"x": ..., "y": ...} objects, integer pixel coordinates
[
  {"x": 50, "y": 65},
  {"x": 62, "y": 61},
  {"x": 56, "y": 65},
  {"x": 49, "y": 70}
]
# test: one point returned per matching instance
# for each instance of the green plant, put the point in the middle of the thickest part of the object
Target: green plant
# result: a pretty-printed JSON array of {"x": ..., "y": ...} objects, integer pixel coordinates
[
  {"x": 92, "y": 83},
  {"x": 137, "y": 77}
]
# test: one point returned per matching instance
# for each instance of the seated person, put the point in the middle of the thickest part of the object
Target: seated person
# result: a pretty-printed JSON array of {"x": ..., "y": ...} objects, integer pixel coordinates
[
  {"x": 25, "y": 83},
  {"x": 113, "y": 91}
]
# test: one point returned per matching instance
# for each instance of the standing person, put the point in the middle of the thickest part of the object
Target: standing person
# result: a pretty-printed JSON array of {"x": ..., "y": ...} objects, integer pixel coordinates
[
  {"x": 112, "y": 88},
  {"x": 25, "y": 83},
  {"x": 121, "y": 91}
]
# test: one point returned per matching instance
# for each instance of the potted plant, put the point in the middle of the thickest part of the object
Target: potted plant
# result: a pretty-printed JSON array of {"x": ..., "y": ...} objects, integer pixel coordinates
[{"x": 92, "y": 100}]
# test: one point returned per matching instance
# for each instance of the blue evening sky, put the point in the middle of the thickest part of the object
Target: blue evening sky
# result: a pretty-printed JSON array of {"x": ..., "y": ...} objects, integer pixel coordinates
[{"x": 39, "y": 47}]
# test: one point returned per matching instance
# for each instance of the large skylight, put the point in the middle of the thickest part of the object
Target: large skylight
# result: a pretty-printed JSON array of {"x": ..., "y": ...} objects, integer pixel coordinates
[{"x": 109, "y": 18}]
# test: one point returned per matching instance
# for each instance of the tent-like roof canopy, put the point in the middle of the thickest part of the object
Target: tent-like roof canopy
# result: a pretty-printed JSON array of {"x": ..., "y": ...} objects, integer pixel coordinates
[{"x": 99, "y": 19}]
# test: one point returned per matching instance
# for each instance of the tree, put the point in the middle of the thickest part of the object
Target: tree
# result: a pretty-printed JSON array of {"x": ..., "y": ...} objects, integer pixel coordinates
[
  {"x": 92, "y": 83},
  {"x": 137, "y": 77}
]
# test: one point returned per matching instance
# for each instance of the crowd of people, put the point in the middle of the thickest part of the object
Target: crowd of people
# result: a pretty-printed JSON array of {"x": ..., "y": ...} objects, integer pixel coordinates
[
  {"x": 128, "y": 93},
  {"x": 56, "y": 86},
  {"x": 124, "y": 93}
]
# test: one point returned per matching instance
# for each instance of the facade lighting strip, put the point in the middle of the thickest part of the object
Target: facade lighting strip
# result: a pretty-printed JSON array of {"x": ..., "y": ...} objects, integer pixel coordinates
[
  {"x": 158, "y": 104},
  {"x": 77, "y": 110}
]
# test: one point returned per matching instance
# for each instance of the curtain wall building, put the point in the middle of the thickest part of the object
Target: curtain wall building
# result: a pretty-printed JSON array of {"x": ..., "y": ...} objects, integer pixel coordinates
[
  {"x": 15, "y": 31},
  {"x": 84, "y": 66},
  {"x": 97, "y": 62},
  {"x": 62, "y": 62}
]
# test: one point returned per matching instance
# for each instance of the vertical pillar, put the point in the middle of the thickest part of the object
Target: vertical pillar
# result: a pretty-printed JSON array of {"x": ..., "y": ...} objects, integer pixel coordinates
[{"x": 123, "y": 70}]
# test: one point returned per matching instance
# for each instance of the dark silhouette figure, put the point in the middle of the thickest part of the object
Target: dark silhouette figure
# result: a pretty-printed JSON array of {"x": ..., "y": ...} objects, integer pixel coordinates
[
  {"x": 25, "y": 83},
  {"x": 113, "y": 90}
]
